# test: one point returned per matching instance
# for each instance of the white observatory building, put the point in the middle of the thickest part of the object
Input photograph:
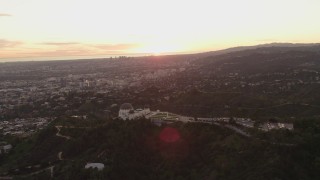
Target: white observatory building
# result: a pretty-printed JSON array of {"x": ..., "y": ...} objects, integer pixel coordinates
[{"x": 127, "y": 112}]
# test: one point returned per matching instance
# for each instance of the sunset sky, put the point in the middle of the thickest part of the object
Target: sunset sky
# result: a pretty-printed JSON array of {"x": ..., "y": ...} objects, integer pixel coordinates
[{"x": 64, "y": 29}]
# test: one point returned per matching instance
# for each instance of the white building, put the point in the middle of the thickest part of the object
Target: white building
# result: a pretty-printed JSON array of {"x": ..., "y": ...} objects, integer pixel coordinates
[
  {"x": 5, "y": 148},
  {"x": 270, "y": 126},
  {"x": 127, "y": 112},
  {"x": 99, "y": 166},
  {"x": 246, "y": 122}
]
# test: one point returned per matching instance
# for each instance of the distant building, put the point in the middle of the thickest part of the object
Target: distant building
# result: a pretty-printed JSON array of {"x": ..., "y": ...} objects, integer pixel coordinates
[
  {"x": 98, "y": 166},
  {"x": 270, "y": 126},
  {"x": 163, "y": 117},
  {"x": 5, "y": 149},
  {"x": 246, "y": 122}
]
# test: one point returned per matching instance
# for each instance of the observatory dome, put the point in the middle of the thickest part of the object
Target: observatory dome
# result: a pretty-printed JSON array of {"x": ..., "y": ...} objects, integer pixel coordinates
[{"x": 126, "y": 106}]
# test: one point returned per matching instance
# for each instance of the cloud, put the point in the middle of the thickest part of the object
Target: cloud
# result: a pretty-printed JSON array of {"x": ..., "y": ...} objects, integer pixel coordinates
[
  {"x": 60, "y": 52},
  {"x": 61, "y": 49},
  {"x": 60, "y": 43},
  {"x": 5, "y": 15},
  {"x": 9, "y": 44},
  {"x": 34, "y": 53},
  {"x": 104, "y": 47},
  {"x": 67, "y": 53}
]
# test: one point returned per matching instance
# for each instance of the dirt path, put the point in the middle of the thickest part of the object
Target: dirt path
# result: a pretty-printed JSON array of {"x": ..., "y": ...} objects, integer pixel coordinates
[
  {"x": 60, "y": 135},
  {"x": 237, "y": 130},
  {"x": 60, "y": 156},
  {"x": 39, "y": 171}
]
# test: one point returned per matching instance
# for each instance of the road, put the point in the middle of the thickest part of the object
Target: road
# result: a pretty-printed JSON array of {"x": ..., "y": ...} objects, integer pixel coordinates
[
  {"x": 60, "y": 135},
  {"x": 60, "y": 156},
  {"x": 38, "y": 172},
  {"x": 237, "y": 130}
]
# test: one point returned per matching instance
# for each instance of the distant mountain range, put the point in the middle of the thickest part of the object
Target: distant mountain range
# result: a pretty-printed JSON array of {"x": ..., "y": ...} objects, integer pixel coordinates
[
  {"x": 267, "y": 58},
  {"x": 292, "y": 46}
]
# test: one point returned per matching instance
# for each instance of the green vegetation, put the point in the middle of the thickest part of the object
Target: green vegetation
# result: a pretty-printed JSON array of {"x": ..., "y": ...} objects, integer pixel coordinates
[
  {"x": 135, "y": 150},
  {"x": 200, "y": 104}
]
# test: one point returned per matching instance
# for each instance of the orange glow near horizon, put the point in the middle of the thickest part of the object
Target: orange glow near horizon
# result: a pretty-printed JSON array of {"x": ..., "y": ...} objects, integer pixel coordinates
[
  {"x": 157, "y": 49},
  {"x": 75, "y": 28}
]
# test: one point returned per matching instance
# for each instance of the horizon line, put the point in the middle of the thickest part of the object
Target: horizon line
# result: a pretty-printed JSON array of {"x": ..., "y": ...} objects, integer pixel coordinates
[{"x": 133, "y": 55}]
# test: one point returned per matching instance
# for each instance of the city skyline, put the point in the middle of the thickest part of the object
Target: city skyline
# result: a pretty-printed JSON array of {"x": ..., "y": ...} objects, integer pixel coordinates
[{"x": 43, "y": 29}]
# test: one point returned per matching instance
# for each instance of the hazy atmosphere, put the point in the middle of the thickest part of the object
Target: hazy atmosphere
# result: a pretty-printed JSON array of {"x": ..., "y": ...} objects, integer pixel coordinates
[
  {"x": 160, "y": 89},
  {"x": 64, "y": 29}
]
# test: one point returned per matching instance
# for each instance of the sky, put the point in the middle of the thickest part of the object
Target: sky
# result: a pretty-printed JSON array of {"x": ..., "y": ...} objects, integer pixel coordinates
[{"x": 64, "y": 29}]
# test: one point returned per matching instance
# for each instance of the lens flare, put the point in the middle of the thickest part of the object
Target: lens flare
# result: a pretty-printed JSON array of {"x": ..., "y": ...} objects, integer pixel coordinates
[{"x": 169, "y": 135}]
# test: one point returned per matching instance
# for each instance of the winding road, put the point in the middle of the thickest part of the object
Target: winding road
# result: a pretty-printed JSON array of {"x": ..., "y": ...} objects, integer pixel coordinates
[
  {"x": 60, "y": 135},
  {"x": 60, "y": 156}
]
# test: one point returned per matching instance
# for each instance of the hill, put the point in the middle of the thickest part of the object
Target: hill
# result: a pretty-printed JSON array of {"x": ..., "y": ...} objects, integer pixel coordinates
[
  {"x": 254, "y": 82},
  {"x": 272, "y": 45},
  {"x": 278, "y": 82},
  {"x": 141, "y": 150}
]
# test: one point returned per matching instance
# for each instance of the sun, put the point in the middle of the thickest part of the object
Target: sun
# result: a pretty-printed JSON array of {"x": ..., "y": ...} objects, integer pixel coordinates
[
  {"x": 157, "y": 54},
  {"x": 158, "y": 51}
]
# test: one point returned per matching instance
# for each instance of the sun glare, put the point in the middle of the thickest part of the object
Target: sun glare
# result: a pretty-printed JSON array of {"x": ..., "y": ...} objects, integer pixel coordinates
[
  {"x": 157, "y": 50},
  {"x": 150, "y": 27}
]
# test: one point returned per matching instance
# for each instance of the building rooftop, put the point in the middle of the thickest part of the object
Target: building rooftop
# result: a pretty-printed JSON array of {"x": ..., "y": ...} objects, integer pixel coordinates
[{"x": 99, "y": 166}]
